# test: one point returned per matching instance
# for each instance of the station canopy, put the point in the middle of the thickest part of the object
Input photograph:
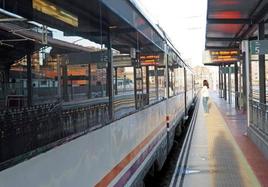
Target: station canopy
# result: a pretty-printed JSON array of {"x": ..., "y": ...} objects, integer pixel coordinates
[{"x": 231, "y": 21}]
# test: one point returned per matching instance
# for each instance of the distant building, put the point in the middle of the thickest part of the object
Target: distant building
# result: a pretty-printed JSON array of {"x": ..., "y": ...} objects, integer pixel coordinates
[{"x": 204, "y": 73}]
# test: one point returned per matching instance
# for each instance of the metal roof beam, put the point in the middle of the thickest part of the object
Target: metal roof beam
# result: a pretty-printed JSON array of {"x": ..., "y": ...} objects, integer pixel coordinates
[
  {"x": 260, "y": 17},
  {"x": 262, "y": 14},
  {"x": 256, "y": 38},
  {"x": 119, "y": 46},
  {"x": 116, "y": 30},
  {"x": 229, "y": 21},
  {"x": 221, "y": 47},
  {"x": 212, "y": 39},
  {"x": 123, "y": 30}
]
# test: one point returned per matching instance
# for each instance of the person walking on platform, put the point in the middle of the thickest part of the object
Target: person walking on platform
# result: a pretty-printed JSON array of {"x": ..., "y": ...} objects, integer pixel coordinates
[{"x": 205, "y": 95}]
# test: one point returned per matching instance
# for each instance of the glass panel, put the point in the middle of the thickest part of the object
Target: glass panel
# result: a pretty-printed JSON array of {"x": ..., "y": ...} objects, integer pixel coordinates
[
  {"x": 124, "y": 102},
  {"x": 44, "y": 82},
  {"x": 179, "y": 81},
  {"x": 152, "y": 84},
  {"x": 55, "y": 81},
  {"x": 171, "y": 82},
  {"x": 51, "y": 83},
  {"x": 161, "y": 83},
  {"x": 254, "y": 77}
]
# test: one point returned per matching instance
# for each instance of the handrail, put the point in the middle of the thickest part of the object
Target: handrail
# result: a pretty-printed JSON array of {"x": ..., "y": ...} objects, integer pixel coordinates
[
  {"x": 255, "y": 101},
  {"x": 258, "y": 115}
]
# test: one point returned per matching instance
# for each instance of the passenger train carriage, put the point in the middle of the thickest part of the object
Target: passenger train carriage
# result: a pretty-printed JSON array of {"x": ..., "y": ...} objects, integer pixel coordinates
[{"x": 113, "y": 111}]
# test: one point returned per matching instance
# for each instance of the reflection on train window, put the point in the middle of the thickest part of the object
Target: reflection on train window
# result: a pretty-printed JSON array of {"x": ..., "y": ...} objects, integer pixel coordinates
[
  {"x": 161, "y": 83},
  {"x": 124, "y": 101},
  {"x": 56, "y": 83},
  {"x": 152, "y": 84}
]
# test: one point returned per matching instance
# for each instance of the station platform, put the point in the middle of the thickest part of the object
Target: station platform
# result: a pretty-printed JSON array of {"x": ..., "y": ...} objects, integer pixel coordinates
[{"x": 220, "y": 152}]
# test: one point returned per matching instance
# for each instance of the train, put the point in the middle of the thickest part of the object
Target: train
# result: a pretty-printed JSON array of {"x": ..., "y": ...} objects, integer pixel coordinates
[
  {"x": 119, "y": 153},
  {"x": 112, "y": 140}
]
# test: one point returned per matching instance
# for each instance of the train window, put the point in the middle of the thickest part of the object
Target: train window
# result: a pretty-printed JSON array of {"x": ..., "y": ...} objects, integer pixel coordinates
[
  {"x": 179, "y": 81},
  {"x": 171, "y": 82},
  {"x": 63, "y": 82},
  {"x": 47, "y": 69},
  {"x": 124, "y": 101},
  {"x": 152, "y": 84},
  {"x": 161, "y": 83}
]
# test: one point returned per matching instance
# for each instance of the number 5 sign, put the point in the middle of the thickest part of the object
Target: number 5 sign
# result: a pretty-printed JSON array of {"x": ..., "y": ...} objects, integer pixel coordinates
[{"x": 259, "y": 47}]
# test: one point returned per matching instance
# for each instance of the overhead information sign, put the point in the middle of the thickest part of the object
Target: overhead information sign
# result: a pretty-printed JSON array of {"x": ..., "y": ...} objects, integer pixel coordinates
[
  {"x": 214, "y": 57},
  {"x": 96, "y": 57},
  {"x": 50, "y": 9},
  {"x": 122, "y": 61},
  {"x": 259, "y": 47},
  {"x": 152, "y": 60}
]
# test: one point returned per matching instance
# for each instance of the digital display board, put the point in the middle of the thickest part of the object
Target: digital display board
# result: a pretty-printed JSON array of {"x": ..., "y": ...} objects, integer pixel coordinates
[
  {"x": 50, "y": 9},
  {"x": 212, "y": 57},
  {"x": 152, "y": 60}
]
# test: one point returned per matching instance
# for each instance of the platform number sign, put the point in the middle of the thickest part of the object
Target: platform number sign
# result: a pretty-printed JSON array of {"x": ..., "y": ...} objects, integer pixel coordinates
[{"x": 259, "y": 47}]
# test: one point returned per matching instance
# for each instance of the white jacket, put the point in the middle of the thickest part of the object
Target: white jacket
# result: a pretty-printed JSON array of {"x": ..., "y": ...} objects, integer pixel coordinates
[{"x": 205, "y": 91}]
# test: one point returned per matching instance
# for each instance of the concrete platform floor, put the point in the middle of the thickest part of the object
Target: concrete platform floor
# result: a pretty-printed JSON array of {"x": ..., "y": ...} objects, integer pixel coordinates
[
  {"x": 237, "y": 123},
  {"x": 221, "y": 154}
]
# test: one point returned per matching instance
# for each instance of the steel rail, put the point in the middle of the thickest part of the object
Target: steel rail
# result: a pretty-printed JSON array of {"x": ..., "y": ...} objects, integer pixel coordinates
[{"x": 179, "y": 173}]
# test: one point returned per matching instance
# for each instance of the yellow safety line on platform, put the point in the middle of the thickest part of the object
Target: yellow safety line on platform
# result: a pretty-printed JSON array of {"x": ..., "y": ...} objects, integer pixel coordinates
[{"x": 226, "y": 161}]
